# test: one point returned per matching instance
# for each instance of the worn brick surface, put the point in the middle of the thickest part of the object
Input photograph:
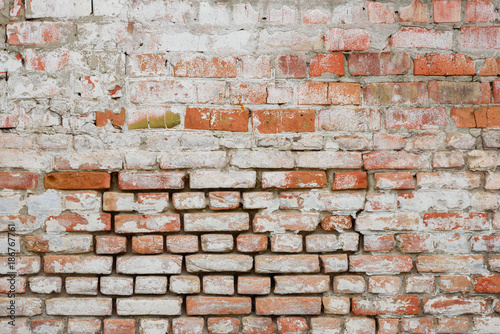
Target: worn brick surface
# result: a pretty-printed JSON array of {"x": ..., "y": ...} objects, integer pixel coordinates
[{"x": 250, "y": 167}]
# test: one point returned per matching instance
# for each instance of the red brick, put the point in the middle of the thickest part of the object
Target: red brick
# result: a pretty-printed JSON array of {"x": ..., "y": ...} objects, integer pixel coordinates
[
  {"x": 455, "y": 283},
  {"x": 294, "y": 179},
  {"x": 452, "y": 221},
  {"x": 38, "y": 33},
  {"x": 77, "y": 180},
  {"x": 422, "y": 38},
  {"x": 251, "y": 243},
  {"x": 78, "y": 223},
  {"x": 344, "y": 93},
  {"x": 110, "y": 245},
  {"x": 463, "y": 117},
  {"x": 415, "y": 242},
  {"x": 147, "y": 244},
  {"x": 147, "y": 223},
  {"x": 102, "y": 118},
  {"x": 347, "y": 40},
  {"x": 380, "y": 13},
  {"x": 396, "y": 181},
  {"x": 119, "y": 326},
  {"x": 446, "y": 10},
  {"x": 18, "y": 180},
  {"x": 258, "y": 326},
  {"x": 292, "y": 326},
  {"x": 227, "y": 325},
  {"x": 479, "y": 11},
  {"x": 206, "y": 67},
  {"x": 395, "y": 93},
  {"x": 383, "y": 63},
  {"x": 327, "y": 63},
  {"x": 394, "y": 160},
  {"x": 291, "y": 66},
  {"x": 491, "y": 66},
  {"x": 235, "y": 120},
  {"x": 330, "y": 223},
  {"x": 150, "y": 180},
  {"x": 415, "y": 12},
  {"x": 390, "y": 264},
  {"x": 487, "y": 117},
  {"x": 387, "y": 305},
  {"x": 248, "y": 93},
  {"x": 288, "y": 306},
  {"x": 467, "y": 264},
  {"x": 444, "y": 64},
  {"x": 479, "y": 37},
  {"x": 313, "y": 92},
  {"x": 379, "y": 243},
  {"x": 453, "y": 325},
  {"x": 218, "y": 305},
  {"x": 496, "y": 91},
  {"x": 351, "y": 180},
  {"x": 344, "y": 119},
  {"x": 283, "y": 120}
]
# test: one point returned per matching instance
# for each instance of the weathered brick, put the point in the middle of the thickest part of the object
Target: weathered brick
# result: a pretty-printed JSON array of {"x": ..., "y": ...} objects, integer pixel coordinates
[
  {"x": 285, "y": 221},
  {"x": 347, "y": 39},
  {"x": 415, "y": 118},
  {"x": 422, "y": 38},
  {"x": 351, "y": 180},
  {"x": 479, "y": 37},
  {"x": 288, "y": 180},
  {"x": 218, "y": 305},
  {"x": 344, "y": 119},
  {"x": 147, "y": 223},
  {"x": 283, "y": 120},
  {"x": 18, "y": 180},
  {"x": 38, "y": 33},
  {"x": 446, "y": 11},
  {"x": 380, "y": 264},
  {"x": 149, "y": 264},
  {"x": 386, "y": 305},
  {"x": 288, "y": 306},
  {"x": 459, "y": 92},
  {"x": 220, "y": 179},
  {"x": 182, "y": 243},
  {"x": 150, "y": 180},
  {"x": 211, "y": 222},
  {"x": 454, "y": 305},
  {"x": 395, "y": 160},
  {"x": 79, "y": 306},
  {"x": 148, "y": 306},
  {"x": 68, "y": 244},
  {"x": 415, "y": 12},
  {"x": 218, "y": 263},
  {"x": 77, "y": 264},
  {"x": 466, "y": 264},
  {"x": 206, "y": 67},
  {"x": 397, "y": 93},
  {"x": 286, "y": 264},
  {"x": 384, "y": 63}
]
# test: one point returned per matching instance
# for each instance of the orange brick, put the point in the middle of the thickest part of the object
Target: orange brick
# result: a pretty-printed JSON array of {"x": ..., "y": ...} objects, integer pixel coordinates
[
  {"x": 327, "y": 63},
  {"x": 444, "y": 64},
  {"x": 77, "y": 180},
  {"x": 217, "y": 119}
]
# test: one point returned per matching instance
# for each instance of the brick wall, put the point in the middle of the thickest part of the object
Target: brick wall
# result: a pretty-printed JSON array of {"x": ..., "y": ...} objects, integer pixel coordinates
[{"x": 250, "y": 167}]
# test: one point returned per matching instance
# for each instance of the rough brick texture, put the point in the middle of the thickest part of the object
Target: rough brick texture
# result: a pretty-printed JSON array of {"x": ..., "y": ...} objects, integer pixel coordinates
[{"x": 253, "y": 167}]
